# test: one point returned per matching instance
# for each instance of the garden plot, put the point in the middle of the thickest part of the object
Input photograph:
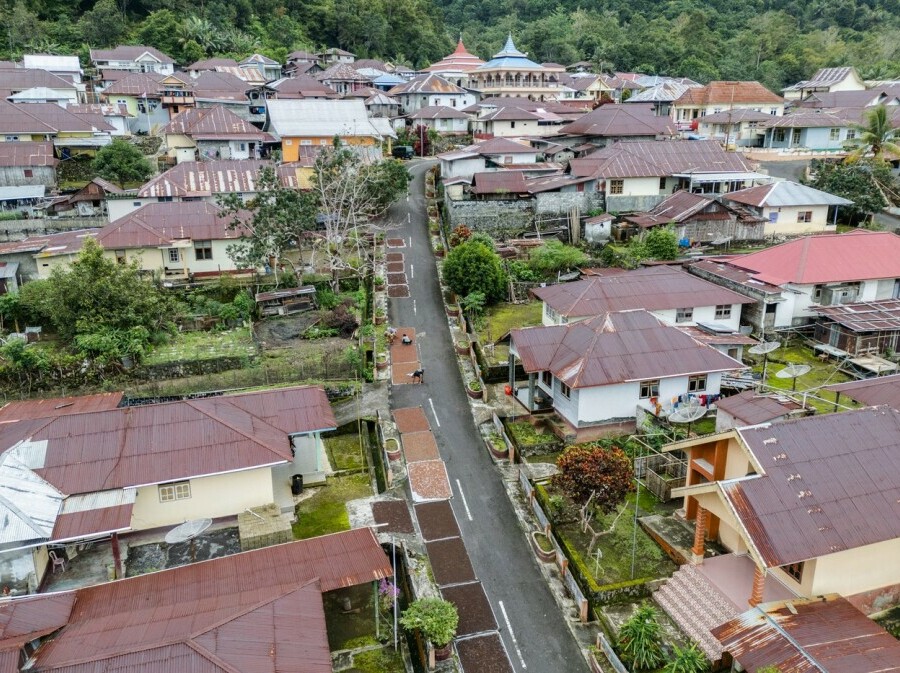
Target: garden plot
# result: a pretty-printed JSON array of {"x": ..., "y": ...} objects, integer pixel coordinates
[{"x": 187, "y": 346}]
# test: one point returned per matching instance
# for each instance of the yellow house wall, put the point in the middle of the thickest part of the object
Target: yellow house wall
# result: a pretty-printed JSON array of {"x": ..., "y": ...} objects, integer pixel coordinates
[
  {"x": 211, "y": 497},
  {"x": 803, "y": 588},
  {"x": 728, "y": 526},
  {"x": 290, "y": 146},
  {"x": 177, "y": 140},
  {"x": 45, "y": 265},
  {"x": 856, "y": 570},
  {"x": 787, "y": 220},
  {"x": 736, "y": 462}
]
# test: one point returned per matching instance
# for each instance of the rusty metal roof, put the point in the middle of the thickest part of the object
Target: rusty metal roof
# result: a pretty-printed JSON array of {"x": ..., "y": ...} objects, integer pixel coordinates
[
  {"x": 723, "y": 269},
  {"x": 133, "y": 446},
  {"x": 27, "y": 618},
  {"x": 213, "y": 123},
  {"x": 58, "y": 406},
  {"x": 204, "y": 178},
  {"x": 656, "y": 159},
  {"x": 728, "y": 93},
  {"x": 90, "y": 522},
  {"x": 499, "y": 182},
  {"x": 129, "y": 52},
  {"x": 621, "y": 121},
  {"x": 63, "y": 243},
  {"x": 823, "y": 635},
  {"x": 752, "y": 408},
  {"x": 651, "y": 288},
  {"x": 256, "y": 611},
  {"x": 160, "y": 224},
  {"x": 27, "y": 154},
  {"x": 426, "y": 84},
  {"x": 866, "y": 316},
  {"x": 616, "y": 347},
  {"x": 872, "y": 392},
  {"x": 831, "y": 483}
]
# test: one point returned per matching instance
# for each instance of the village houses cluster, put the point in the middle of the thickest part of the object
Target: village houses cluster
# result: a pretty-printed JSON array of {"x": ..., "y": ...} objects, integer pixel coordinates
[{"x": 802, "y": 509}]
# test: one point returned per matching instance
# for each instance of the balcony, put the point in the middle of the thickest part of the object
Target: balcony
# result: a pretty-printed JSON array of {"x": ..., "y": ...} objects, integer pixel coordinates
[{"x": 177, "y": 100}]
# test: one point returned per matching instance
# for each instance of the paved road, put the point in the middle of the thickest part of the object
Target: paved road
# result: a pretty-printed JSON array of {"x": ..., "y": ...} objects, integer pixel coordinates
[{"x": 503, "y": 561}]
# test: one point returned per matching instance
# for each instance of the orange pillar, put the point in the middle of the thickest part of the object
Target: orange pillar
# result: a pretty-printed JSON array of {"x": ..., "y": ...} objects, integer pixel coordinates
[
  {"x": 759, "y": 584},
  {"x": 698, "y": 549}
]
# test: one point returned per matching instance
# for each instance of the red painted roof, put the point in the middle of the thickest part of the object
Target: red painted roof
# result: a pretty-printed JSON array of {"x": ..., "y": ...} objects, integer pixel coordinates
[
  {"x": 159, "y": 224},
  {"x": 459, "y": 60},
  {"x": 828, "y": 258},
  {"x": 58, "y": 406},
  {"x": 255, "y": 611},
  {"x": 79, "y": 525},
  {"x": 215, "y": 123},
  {"x": 27, "y": 618}
]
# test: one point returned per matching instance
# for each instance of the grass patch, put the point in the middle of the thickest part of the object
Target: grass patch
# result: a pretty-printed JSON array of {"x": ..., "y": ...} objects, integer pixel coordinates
[
  {"x": 820, "y": 374},
  {"x": 544, "y": 458},
  {"x": 201, "y": 345},
  {"x": 344, "y": 451},
  {"x": 325, "y": 512},
  {"x": 525, "y": 434},
  {"x": 501, "y": 318}
]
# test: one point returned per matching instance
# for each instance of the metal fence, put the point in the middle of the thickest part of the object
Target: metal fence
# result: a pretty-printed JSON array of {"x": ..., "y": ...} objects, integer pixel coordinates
[{"x": 610, "y": 654}]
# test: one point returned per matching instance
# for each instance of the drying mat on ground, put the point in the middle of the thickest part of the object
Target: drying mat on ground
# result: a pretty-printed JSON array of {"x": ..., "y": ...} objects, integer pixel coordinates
[
  {"x": 450, "y": 561},
  {"x": 484, "y": 654},
  {"x": 396, "y": 279},
  {"x": 394, "y": 513},
  {"x": 396, "y": 243},
  {"x": 395, "y": 267},
  {"x": 411, "y": 419},
  {"x": 394, "y": 257},
  {"x": 398, "y": 291},
  {"x": 436, "y": 520},
  {"x": 401, "y": 372},
  {"x": 428, "y": 480},
  {"x": 475, "y": 615},
  {"x": 419, "y": 446},
  {"x": 404, "y": 353}
]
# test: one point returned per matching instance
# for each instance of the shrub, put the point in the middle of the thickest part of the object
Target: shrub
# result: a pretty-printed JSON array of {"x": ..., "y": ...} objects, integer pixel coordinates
[
  {"x": 587, "y": 469},
  {"x": 436, "y": 618},
  {"x": 473, "y": 267},
  {"x": 640, "y": 639},
  {"x": 688, "y": 659},
  {"x": 661, "y": 243},
  {"x": 554, "y": 256}
]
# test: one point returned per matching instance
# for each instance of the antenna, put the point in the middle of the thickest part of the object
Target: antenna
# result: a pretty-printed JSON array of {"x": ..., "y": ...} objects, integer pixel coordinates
[
  {"x": 186, "y": 532},
  {"x": 764, "y": 349},
  {"x": 687, "y": 414},
  {"x": 793, "y": 371}
]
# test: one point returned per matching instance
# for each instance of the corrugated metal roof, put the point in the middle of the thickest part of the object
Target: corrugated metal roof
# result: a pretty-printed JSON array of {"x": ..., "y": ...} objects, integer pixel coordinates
[
  {"x": 433, "y": 112},
  {"x": 27, "y": 154},
  {"x": 499, "y": 182},
  {"x": 818, "y": 636},
  {"x": 652, "y": 288},
  {"x": 831, "y": 483},
  {"x": 873, "y": 392},
  {"x": 62, "y": 243},
  {"x": 28, "y": 503},
  {"x": 129, "y": 52},
  {"x": 621, "y": 120},
  {"x": 23, "y": 192},
  {"x": 658, "y": 159},
  {"x": 615, "y": 348},
  {"x": 786, "y": 193},
  {"x": 320, "y": 118},
  {"x": 867, "y": 316},
  {"x": 427, "y": 84},
  {"x": 82, "y": 524},
  {"x": 256, "y": 611},
  {"x": 204, "y": 178},
  {"x": 58, "y": 406},
  {"x": 824, "y": 77},
  {"x": 301, "y": 86},
  {"x": 752, "y": 408},
  {"x": 826, "y": 258},
  {"x": 160, "y": 224},
  {"x": 727, "y": 93},
  {"x": 213, "y": 123}
]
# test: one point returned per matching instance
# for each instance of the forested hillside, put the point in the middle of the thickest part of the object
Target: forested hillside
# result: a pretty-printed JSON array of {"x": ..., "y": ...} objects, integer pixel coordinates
[{"x": 775, "y": 41}]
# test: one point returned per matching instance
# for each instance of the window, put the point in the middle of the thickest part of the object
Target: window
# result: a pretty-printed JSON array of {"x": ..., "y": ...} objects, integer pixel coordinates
[
  {"x": 512, "y": 125},
  {"x": 547, "y": 379},
  {"x": 180, "y": 490},
  {"x": 795, "y": 570},
  {"x": 778, "y": 135},
  {"x": 28, "y": 173},
  {"x": 120, "y": 256},
  {"x": 851, "y": 134},
  {"x": 243, "y": 147},
  {"x": 649, "y": 389},
  {"x": 684, "y": 314},
  {"x": 136, "y": 204},
  {"x": 834, "y": 134},
  {"x": 203, "y": 249},
  {"x": 723, "y": 310},
  {"x": 288, "y": 141},
  {"x": 616, "y": 186},
  {"x": 697, "y": 384},
  {"x": 173, "y": 255},
  {"x": 817, "y": 291},
  {"x": 662, "y": 184},
  {"x": 773, "y": 111},
  {"x": 564, "y": 390},
  {"x": 804, "y": 216}
]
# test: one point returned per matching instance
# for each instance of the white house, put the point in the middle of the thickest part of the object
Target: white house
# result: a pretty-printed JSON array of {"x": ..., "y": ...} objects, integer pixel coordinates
[
  {"x": 134, "y": 58},
  {"x": 826, "y": 80},
  {"x": 67, "y": 67},
  {"x": 790, "y": 208},
  {"x": 609, "y": 368},
  {"x": 674, "y": 296},
  {"x": 212, "y": 133},
  {"x": 721, "y": 96},
  {"x": 442, "y": 119},
  {"x": 78, "y": 469},
  {"x": 487, "y": 155},
  {"x": 786, "y": 280},
  {"x": 431, "y": 90}
]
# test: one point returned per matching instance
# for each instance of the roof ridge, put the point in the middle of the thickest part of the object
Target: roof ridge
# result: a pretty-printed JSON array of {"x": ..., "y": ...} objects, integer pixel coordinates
[{"x": 217, "y": 418}]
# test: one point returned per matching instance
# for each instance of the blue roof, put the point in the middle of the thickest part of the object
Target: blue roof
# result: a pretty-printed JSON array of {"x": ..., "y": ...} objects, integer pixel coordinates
[
  {"x": 388, "y": 79},
  {"x": 510, "y": 58}
]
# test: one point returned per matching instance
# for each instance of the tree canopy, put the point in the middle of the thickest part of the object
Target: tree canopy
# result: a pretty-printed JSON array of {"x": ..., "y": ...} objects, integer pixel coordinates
[
  {"x": 588, "y": 469},
  {"x": 867, "y": 182},
  {"x": 474, "y": 267},
  {"x": 121, "y": 162}
]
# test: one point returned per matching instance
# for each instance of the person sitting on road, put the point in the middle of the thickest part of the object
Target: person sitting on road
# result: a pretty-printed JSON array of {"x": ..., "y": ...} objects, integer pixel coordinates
[
  {"x": 390, "y": 333},
  {"x": 406, "y": 340}
]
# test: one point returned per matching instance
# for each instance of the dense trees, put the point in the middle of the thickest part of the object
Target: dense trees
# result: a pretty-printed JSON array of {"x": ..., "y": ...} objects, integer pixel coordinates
[
  {"x": 775, "y": 41},
  {"x": 122, "y": 162},
  {"x": 592, "y": 471},
  {"x": 474, "y": 267}
]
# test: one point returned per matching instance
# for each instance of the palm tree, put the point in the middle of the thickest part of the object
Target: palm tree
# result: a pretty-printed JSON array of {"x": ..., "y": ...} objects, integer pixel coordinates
[
  {"x": 640, "y": 639},
  {"x": 876, "y": 136}
]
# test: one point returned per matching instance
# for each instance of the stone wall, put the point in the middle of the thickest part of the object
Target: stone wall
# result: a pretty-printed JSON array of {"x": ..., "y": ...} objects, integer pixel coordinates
[
  {"x": 618, "y": 203},
  {"x": 501, "y": 219},
  {"x": 263, "y": 527},
  {"x": 16, "y": 230},
  {"x": 561, "y": 203}
]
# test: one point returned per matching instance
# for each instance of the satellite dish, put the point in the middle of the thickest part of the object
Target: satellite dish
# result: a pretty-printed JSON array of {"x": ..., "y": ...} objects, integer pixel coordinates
[
  {"x": 792, "y": 372},
  {"x": 687, "y": 414},
  {"x": 764, "y": 348},
  {"x": 186, "y": 532}
]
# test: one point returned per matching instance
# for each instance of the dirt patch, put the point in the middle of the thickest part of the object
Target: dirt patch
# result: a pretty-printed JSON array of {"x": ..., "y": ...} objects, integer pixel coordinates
[
  {"x": 484, "y": 655},
  {"x": 450, "y": 562},
  {"x": 475, "y": 615},
  {"x": 394, "y": 257},
  {"x": 396, "y": 243},
  {"x": 436, "y": 521},
  {"x": 277, "y": 332},
  {"x": 398, "y": 291},
  {"x": 395, "y": 267},
  {"x": 147, "y": 558},
  {"x": 395, "y": 514},
  {"x": 411, "y": 419},
  {"x": 419, "y": 446},
  {"x": 396, "y": 279}
]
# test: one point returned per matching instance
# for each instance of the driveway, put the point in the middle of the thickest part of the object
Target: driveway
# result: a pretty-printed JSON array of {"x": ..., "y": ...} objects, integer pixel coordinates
[{"x": 532, "y": 628}]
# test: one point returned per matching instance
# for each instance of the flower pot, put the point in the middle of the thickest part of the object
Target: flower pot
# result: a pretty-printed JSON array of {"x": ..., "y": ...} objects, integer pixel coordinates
[
  {"x": 495, "y": 451},
  {"x": 392, "y": 447},
  {"x": 545, "y": 556},
  {"x": 380, "y": 319},
  {"x": 381, "y": 364},
  {"x": 439, "y": 253},
  {"x": 453, "y": 311},
  {"x": 474, "y": 394},
  {"x": 462, "y": 349},
  {"x": 443, "y": 653}
]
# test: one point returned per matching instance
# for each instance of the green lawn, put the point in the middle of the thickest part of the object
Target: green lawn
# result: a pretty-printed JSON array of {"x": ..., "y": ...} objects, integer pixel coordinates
[
  {"x": 199, "y": 345},
  {"x": 820, "y": 374},
  {"x": 344, "y": 451},
  {"x": 325, "y": 511},
  {"x": 499, "y": 319}
]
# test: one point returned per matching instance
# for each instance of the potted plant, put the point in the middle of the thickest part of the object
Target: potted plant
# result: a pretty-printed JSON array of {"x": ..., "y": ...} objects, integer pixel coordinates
[
  {"x": 378, "y": 282},
  {"x": 380, "y": 317},
  {"x": 381, "y": 361},
  {"x": 543, "y": 547},
  {"x": 392, "y": 446},
  {"x": 437, "y": 621},
  {"x": 439, "y": 250},
  {"x": 462, "y": 346},
  {"x": 473, "y": 389},
  {"x": 453, "y": 310},
  {"x": 496, "y": 445}
]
